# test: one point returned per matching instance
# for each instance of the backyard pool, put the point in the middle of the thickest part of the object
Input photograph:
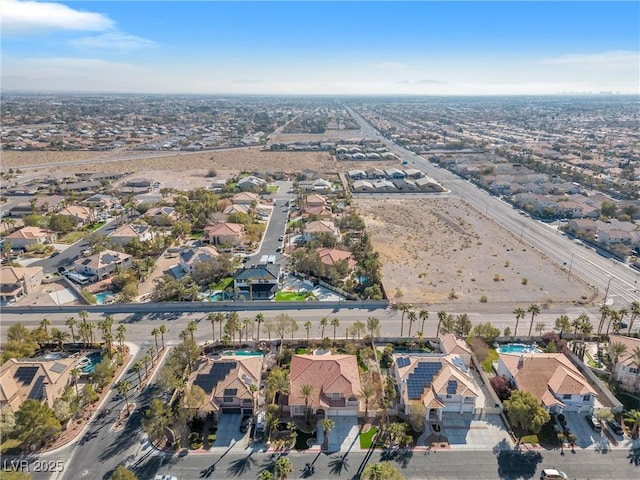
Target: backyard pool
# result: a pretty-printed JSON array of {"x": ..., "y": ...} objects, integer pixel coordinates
[
  {"x": 219, "y": 296},
  {"x": 518, "y": 348},
  {"x": 89, "y": 362},
  {"x": 102, "y": 297},
  {"x": 242, "y": 353}
]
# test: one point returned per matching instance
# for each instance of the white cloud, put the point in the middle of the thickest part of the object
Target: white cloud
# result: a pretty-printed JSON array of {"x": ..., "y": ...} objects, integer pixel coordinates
[
  {"x": 618, "y": 58},
  {"x": 113, "y": 41},
  {"x": 21, "y": 17},
  {"x": 390, "y": 66}
]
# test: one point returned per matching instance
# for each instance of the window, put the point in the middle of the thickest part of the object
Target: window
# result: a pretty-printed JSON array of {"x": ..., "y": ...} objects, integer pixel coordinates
[
  {"x": 586, "y": 398},
  {"x": 246, "y": 401},
  {"x": 298, "y": 409},
  {"x": 227, "y": 399},
  {"x": 336, "y": 395},
  {"x": 566, "y": 396},
  {"x": 448, "y": 396}
]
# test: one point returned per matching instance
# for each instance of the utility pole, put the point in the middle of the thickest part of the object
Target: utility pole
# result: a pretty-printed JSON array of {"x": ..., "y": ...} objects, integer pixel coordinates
[
  {"x": 570, "y": 265},
  {"x": 606, "y": 293}
]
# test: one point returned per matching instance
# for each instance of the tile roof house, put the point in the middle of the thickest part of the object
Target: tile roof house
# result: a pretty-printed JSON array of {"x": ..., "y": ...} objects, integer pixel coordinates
[
  {"x": 257, "y": 282},
  {"x": 78, "y": 213},
  {"x": 330, "y": 256},
  {"x": 129, "y": 232},
  {"x": 627, "y": 368},
  {"x": 335, "y": 380},
  {"x": 31, "y": 236},
  {"x": 316, "y": 200},
  {"x": 227, "y": 380},
  {"x": 441, "y": 383},
  {"x": 162, "y": 216},
  {"x": 312, "y": 229},
  {"x": 103, "y": 264},
  {"x": 250, "y": 184},
  {"x": 15, "y": 282},
  {"x": 551, "y": 378},
  {"x": 452, "y": 345},
  {"x": 38, "y": 379},
  {"x": 224, "y": 233},
  {"x": 236, "y": 208},
  {"x": 190, "y": 257},
  {"x": 245, "y": 198}
]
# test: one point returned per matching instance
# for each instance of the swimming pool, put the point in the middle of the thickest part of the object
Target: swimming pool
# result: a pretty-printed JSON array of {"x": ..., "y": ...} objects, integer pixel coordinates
[
  {"x": 518, "y": 348},
  {"x": 91, "y": 361},
  {"x": 102, "y": 296}
]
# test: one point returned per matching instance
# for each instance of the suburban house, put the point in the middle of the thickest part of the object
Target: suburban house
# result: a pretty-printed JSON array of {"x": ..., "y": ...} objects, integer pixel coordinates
[
  {"x": 438, "y": 383},
  {"x": 331, "y": 256},
  {"x": 335, "y": 381},
  {"x": 38, "y": 379},
  {"x": 316, "y": 200},
  {"x": 245, "y": 198},
  {"x": 363, "y": 186},
  {"x": 43, "y": 205},
  {"x": 190, "y": 257},
  {"x": 250, "y": 184},
  {"x": 257, "y": 282},
  {"x": 452, "y": 345},
  {"x": 138, "y": 182},
  {"x": 224, "y": 233},
  {"x": 16, "y": 282},
  {"x": 161, "y": 216},
  {"x": 129, "y": 232},
  {"x": 226, "y": 381},
  {"x": 626, "y": 369},
  {"x": 551, "y": 378},
  {"x": 26, "y": 236},
  {"x": 318, "y": 227},
  {"x": 235, "y": 208},
  {"x": 102, "y": 264},
  {"x": 78, "y": 213},
  {"x": 102, "y": 201}
]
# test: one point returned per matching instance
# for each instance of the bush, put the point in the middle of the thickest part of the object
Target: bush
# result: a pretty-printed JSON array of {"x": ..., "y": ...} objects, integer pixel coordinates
[
  {"x": 484, "y": 299},
  {"x": 212, "y": 438}
]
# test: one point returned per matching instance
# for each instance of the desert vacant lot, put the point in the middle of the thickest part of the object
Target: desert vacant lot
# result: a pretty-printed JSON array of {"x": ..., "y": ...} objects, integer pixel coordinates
[{"x": 431, "y": 246}]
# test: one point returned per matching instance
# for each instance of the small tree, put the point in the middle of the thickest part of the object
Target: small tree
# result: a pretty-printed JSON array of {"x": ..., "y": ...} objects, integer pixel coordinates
[
  {"x": 122, "y": 473},
  {"x": 524, "y": 411},
  {"x": 327, "y": 426}
]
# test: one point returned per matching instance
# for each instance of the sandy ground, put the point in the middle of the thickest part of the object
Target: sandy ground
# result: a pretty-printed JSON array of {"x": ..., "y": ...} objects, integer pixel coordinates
[{"x": 429, "y": 247}]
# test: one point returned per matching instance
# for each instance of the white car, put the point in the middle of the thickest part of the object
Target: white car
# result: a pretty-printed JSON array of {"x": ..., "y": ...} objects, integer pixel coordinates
[
  {"x": 165, "y": 477},
  {"x": 260, "y": 421},
  {"x": 553, "y": 474}
]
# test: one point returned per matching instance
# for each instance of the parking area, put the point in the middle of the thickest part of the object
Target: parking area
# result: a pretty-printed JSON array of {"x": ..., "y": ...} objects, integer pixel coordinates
[
  {"x": 228, "y": 433},
  {"x": 344, "y": 435},
  {"x": 587, "y": 437},
  {"x": 475, "y": 431}
]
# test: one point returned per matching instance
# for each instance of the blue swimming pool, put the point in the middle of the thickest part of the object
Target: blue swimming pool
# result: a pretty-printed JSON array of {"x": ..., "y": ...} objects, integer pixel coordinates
[
  {"x": 102, "y": 297},
  {"x": 91, "y": 361},
  {"x": 518, "y": 348}
]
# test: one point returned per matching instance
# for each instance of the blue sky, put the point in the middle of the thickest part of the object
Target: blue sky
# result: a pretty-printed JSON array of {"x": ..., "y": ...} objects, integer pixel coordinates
[{"x": 459, "y": 48}]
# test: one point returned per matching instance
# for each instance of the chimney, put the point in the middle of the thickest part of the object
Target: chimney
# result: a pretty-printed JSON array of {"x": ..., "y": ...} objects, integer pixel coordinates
[{"x": 521, "y": 361}]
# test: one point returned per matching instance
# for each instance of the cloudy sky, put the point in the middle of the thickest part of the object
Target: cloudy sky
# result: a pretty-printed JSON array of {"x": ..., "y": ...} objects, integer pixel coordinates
[{"x": 300, "y": 47}]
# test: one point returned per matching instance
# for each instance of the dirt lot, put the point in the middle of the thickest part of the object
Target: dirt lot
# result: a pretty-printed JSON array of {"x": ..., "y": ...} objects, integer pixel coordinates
[{"x": 431, "y": 247}]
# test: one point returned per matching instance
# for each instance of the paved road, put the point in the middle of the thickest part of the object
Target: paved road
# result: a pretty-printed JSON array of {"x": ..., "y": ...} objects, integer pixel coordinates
[{"x": 620, "y": 282}]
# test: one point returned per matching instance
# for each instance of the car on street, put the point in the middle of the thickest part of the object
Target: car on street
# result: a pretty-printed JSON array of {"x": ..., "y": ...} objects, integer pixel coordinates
[
  {"x": 615, "y": 427},
  {"x": 260, "y": 421},
  {"x": 593, "y": 422},
  {"x": 281, "y": 238},
  {"x": 553, "y": 474},
  {"x": 279, "y": 249}
]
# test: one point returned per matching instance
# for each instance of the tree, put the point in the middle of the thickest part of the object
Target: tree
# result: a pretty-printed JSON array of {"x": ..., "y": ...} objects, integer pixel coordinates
[
  {"x": 373, "y": 326},
  {"x": 323, "y": 323},
  {"x": 381, "y": 471},
  {"x": 423, "y": 315},
  {"x": 615, "y": 350},
  {"x": 327, "y": 426},
  {"x": 608, "y": 209},
  {"x": 265, "y": 475},
  {"x": 123, "y": 388},
  {"x": 162, "y": 329},
  {"x": 404, "y": 308},
  {"x": 605, "y": 311},
  {"x": 519, "y": 313},
  {"x": 36, "y": 423},
  {"x": 367, "y": 391},
  {"x": 442, "y": 317},
  {"x": 501, "y": 386},
  {"x": 155, "y": 332},
  {"x": 137, "y": 367},
  {"x": 524, "y": 411},
  {"x": 192, "y": 326},
  {"x": 335, "y": 323},
  {"x": 534, "y": 309},
  {"x": 562, "y": 324},
  {"x": 283, "y": 468},
  {"x": 44, "y": 323},
  {"x": 358, "y": 328},
  {"x": 123, "y": 473},
  {"x": 307, "y": 327},
  {"x": 284, "y": 324},
  {"x": 412, "y": 316},
  {"x": 120, "y": 335},
  {"x": 635, "y": 312},
  {"x": 634, "y": 416},
  {"x": 306, "y": 390},
  {"x": 59, "y": 337},
  {"x": 194, "y": 399},
  {"x": 156, "y": 419},
  {"x": 7, "y": 421},
  {"x": 278, "y": 382},
  {"x": 260, "y": 320},
  {"x": 71, "y": 322}
]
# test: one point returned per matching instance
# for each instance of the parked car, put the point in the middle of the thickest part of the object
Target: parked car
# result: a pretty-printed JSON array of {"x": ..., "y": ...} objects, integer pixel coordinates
[
  {"x": 245, "y": 424},
  {"x": 281, "y": 238},
  {"x": 553, "y": 474},
  {"x": 593, "y": 422},
  {"x": 615, "y": 426},
  {"x": 260, "y": 418}
]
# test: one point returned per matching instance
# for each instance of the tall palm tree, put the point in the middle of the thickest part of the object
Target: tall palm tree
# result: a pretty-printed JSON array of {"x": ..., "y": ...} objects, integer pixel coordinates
[
  {"x": 367, "y": 391},
  {"x": 245, "y": 324},
  {"x": 192, "y": 326},
  {"x": 123, "y": 388},
  {"x": 108, "y": 323},
  {"x": 259, "y": 320},
  {"x": 107, "y": 337},
  {"x": 327, "y": 426},
  {"x": 534, "y": 309},
  {"x": 562, "y": 322},
  {"x": 212, "y": 318},
  {"x": 635, "y": 355},
  {"x": 358, "y": 328},
  {"x": 306, "y": 390},
  {"x": 604, "y": 313},
  {"x": 635, "y": 312},
  {"x": 155, "y": 332},
  {"x": 120, "y": 335},
  {"x": 621, "y": 314},
  {"x": 44, "y": 323},
  {"x": 423, "y": 315},
  {"x": 323, "y": 323},
  {"x": 71, "y": 322},
  {"x": 404, "y": 308},
  {"x": 373, "y": 325},
  {"x": 90, "y": 328},
  {"x": 75, "y": 374},
  {"x": 442, "y": 316},
  {"x": 615, "y": 350},
  {"x": 280, "y": 384},
  {"x": 519, "y": 313},
  {"x": 59, "y": 336},
  {"x": 335, "y": 323},
  {"x": 586, "y": 328},
  {"x": 162, "y": 329},
  {"x": 412, "y": 316},
  {"x": 283, "y": 468},
  {"x": 613, "y": 317},
  {"x": 83, "y": 314},
  {"x": 137, "y": 367},
  {"x": 307, "y": 327}
]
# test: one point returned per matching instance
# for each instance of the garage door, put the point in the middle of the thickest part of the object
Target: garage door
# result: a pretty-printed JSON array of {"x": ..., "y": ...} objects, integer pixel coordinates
[{"x": 231, "y": 410}]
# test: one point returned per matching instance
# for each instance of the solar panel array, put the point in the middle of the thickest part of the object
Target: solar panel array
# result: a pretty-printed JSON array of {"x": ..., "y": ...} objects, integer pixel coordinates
[
  {"x": 452, "y": 386},
  {"x": 58, "y": 367},
  {"x": 37, "y": 391},
  {"x": 403, "y": 361},
  {"x": 457, "y": 361},
  {"x": 219, "y": 370},
  {"x": 421, "y": 377},
  {"x": 25, "y": 374}
]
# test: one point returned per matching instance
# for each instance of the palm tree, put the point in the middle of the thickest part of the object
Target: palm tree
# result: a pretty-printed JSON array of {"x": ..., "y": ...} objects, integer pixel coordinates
[
  {"x": 250, "y": 285},
  {"x": 412, "y": 316},
  {"x": 634, "y": 415},
  {"x": 613, "y": 317},
  {"x": 534, "y": 309},
  {"x": 306, "y": 390},
  {"x": 615, "y": 350},
  {"x": 358, "y": 328},
  {"x": 423, "y": 315},
  {"x": 266, "y": 475},
  {"x": 280, "y": 384},
  {"x": 44, "y": 323},
  {"x": 604, "y": 313},
  {"x": 245, "y": 324},
  {"x": 120, "y": 335},
  {"x": 212, "y": 318},
  {"x": 146, "y": 359},
  {"x": 137, "y": 367},
  {"x": 107, "y": 323},
  {"x": 307, "y": 327},
  {"x": 71, "y": 322},
  {"x": 259, "y": 319},
  {"x": 59, "y": 336},
  {"x": 420, "y": 336},
  {"x": 83, "y": 314},
  {"x": 192, "y": 326},
  {"x": 586, "y": 328},
  {"x": 442, "y": 316},
  {"x": 519, "y": 313},
  {"x": 373, "y": 325},
  {"x": 323, "y": 323},
  {"x": 155, "y": 332},
  {"x": 75, "y": 374},
  {"x": 91, "y": 327},
  {"x": 123, "y": 388},
  {"x": 162, "y": 329},
  {"x": 635, "y": 312},
  {"x": 283, "y": 468},
  {"x": 636, "y": 359},
  {"x": 621, "y": 314},
  {"x": 404, "y": 308},
  {"x": 562, "y": 322},
  {"x": 327, "y": 426},
  {"x": 367, "y": 391},
  {"x": 335, "y": 323},
  {"x": 107, "y": 337}
]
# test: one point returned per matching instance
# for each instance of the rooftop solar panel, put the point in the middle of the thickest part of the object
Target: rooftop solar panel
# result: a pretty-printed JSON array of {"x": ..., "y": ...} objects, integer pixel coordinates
[
  {"x": 452, "y": 386},
  {"x": 25, "y": 374},
  {"x": 58, "y": 367},
  {"x": 37, "y": 390}
]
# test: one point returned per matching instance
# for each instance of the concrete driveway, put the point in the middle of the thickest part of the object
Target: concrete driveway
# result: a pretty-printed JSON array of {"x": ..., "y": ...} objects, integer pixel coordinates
[
  {"x": 344, "y": 435},
  {"x": 228, "y": 433},
  {"x": 587, "y": 438},
  {"x": 475, "y": 432}
]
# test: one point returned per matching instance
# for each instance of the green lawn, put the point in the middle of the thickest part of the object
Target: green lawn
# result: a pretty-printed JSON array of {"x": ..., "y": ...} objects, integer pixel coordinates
[
  {"x": 10, "y": 446},
  {"x": 273, "y": 188},
  {"x": 291, "y": 296},
  {"x": 492, "y": 357},
  {"x": 72, "y": 237},
  {"x": 366, "y": 439},
  {"x": 224, "y": 283},
  {"x": 531, "y": 439}
]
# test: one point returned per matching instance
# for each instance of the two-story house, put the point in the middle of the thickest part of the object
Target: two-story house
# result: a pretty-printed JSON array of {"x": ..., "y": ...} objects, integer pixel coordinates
[
  {"x": 191, "y": 257},
  {"x": 626, "y": 368},
  {"x": 224, "y": 234},
  {"x": 103, "y": 264},
  {"x": 257, "y": 282},
  {"x": 15, "y": 282},
  {"x": 21, "y": 239}
]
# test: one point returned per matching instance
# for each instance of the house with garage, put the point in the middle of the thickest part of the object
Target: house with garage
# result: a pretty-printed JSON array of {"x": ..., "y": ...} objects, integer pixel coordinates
[
  {"x": 224, "y": 234},
  {"x": 162, "y": 216},
  {"x": 257, "y": 282},
  {"x": 16, "y": 282},
  {"x": 318, "y": 227},
  {"x": 335, "y": 383},
  {"x": 230, "y": 383},
  {"x": 251, "y": 184},
  {"x": 435, "y": 383},
  {"x": 551, "y": 378},
  {"x": 80, "y": 215},
  {"x": 626, "y": 368},
  {"x": 191, "y": 257},
  {"x": 26, "y": 236},
  {"x": 246, "y": 198},
  {"x": 128, "y": 232},
  {"x": 103, "y": 264}
]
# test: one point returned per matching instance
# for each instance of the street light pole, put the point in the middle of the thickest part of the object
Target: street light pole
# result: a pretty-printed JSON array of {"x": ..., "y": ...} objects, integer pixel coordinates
[
  {"x": 570, "y": 266},
  {"x": 606, "y": 293}
]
